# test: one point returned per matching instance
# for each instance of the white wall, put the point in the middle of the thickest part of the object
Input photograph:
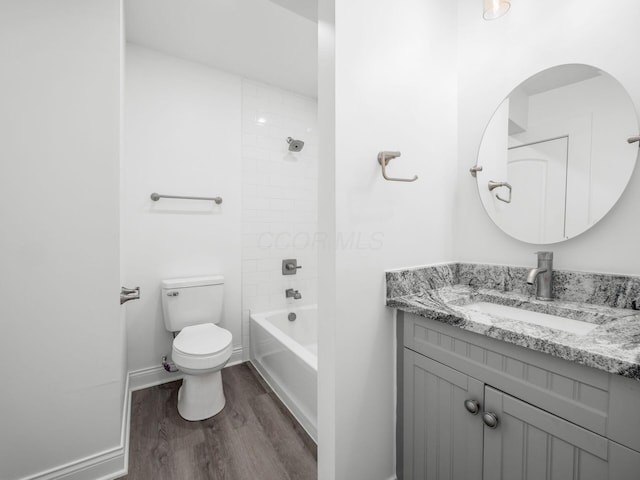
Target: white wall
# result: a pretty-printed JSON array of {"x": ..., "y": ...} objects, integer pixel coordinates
[
  {"x": 326, "y": 256},
  {"x": 280, "y": 198},
  {"x": 62, "y": 346},
  {"x": 395, "y": 89},
  {"x": 181, "y": 137},
  {"x": 542, "y": 34},
  {"x": 194, "y": 130}
]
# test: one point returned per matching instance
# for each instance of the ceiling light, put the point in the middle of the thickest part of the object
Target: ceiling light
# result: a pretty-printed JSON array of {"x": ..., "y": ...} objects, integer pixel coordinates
[{"x": 495, "y": 8}]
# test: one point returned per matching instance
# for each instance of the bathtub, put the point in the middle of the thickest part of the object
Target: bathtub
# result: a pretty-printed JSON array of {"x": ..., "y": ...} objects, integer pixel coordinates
[{"x": 285, "y": 353}]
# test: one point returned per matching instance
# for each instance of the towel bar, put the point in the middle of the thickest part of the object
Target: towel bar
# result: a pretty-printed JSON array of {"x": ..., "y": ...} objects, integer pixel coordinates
[{"x": 156, "y": 196}]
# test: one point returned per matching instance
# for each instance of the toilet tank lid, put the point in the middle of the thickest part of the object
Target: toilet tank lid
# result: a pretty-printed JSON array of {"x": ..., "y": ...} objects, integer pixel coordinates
[{"x": 192, "y": 281}]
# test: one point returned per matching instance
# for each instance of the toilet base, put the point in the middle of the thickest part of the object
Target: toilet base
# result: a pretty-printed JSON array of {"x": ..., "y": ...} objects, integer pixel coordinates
[{"x": 201, "y": 396}]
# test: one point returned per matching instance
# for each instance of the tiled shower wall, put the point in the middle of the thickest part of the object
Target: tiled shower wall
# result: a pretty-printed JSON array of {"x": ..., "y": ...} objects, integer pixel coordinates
[{"x": 279, "y": 217}]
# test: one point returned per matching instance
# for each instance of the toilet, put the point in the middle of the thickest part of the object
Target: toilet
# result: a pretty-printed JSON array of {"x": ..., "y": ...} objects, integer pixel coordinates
[{"x": 193, "y": 307}]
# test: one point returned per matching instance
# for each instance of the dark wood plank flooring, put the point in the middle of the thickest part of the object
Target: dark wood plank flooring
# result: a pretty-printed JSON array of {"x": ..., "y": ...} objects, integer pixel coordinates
[{"x": 253, "y": 438}]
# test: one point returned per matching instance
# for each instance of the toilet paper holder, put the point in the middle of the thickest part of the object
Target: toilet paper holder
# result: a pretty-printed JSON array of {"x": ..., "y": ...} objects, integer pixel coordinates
[{"x": 384, "y": 158}]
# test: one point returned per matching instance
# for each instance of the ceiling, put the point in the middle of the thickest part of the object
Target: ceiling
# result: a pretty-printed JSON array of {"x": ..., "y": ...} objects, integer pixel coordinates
[
  {"x": 559, "y": 76},
  {"x": 270, "y": 41},
  {"x": 306, "y": 8}
]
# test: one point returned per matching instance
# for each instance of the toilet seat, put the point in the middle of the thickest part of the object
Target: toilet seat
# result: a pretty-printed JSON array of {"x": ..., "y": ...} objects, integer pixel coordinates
[
  {"x": 201, "y": 347},
  {"x": 205, "y": 339}
]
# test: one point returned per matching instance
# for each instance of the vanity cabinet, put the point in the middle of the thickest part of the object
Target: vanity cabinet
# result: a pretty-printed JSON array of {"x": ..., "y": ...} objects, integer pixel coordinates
[
  {"x": 443, "y": 441},
  {"x": 556, "y": 420},
  {"x": 529, "y": 443}
]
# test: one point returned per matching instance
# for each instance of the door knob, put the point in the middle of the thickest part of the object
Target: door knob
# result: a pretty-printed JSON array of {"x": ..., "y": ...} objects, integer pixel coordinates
[
  {"x": 127, "y": 294},
  {"x": 472, "y": 406},
  {"x": 490, "y": 419}
]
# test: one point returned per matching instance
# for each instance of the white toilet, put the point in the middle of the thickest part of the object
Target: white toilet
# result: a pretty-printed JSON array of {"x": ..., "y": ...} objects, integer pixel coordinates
[{"x": 192, "y": 306}]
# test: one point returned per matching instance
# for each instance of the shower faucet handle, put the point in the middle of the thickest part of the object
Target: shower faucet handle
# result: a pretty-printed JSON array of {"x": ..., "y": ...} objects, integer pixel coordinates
[{"x": 290, "y": 266}]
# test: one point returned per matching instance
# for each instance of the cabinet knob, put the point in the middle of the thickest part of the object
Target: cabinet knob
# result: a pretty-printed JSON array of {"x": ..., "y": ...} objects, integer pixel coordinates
[
  {"x": 472, "y": 406},
  {"x": 490, "y": 419}
]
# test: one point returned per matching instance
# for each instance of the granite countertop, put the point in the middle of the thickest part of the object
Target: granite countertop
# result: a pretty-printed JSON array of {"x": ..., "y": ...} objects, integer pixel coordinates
[{"x": 442, "y": 292}]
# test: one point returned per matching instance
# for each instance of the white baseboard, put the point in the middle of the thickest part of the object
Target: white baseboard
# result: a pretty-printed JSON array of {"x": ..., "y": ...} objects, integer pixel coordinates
[
  {"x": 107, "y": 465},
  {"x": 150, "y": 377},
  {"x": 237, "y": 357},
  {"x": 114, "y": 463}
]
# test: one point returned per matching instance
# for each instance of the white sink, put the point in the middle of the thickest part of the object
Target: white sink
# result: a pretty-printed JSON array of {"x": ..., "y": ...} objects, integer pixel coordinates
[{"x": 576, "y": 327}]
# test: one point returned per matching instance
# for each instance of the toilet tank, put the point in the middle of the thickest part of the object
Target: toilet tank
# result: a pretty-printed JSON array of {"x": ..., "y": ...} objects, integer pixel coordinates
[{"x": 192, "y": 301}]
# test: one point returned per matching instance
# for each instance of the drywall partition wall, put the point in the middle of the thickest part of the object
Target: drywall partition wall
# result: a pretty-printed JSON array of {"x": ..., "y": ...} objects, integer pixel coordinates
[
  {"x": 496, "y": 56},
  {"x": 181, "y": 137},
  {"x": 62, "y": 346},
  {"x": 327, "y": 256},
  {"x": 280, "y": 199},
  {"x": 395, "y": 89}
]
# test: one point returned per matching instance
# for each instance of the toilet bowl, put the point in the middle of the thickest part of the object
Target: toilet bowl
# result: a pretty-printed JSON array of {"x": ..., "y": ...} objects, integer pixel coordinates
[
  {"x": 192, "y": 307},
  {"x": 200, "y": 352}
]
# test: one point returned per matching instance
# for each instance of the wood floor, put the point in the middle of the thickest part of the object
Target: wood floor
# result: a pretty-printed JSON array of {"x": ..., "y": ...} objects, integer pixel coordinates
[{"x": 253, "y": 438}]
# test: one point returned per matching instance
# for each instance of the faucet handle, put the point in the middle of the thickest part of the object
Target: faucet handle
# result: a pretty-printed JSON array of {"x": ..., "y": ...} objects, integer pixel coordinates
[
  {"x": 290, "y": 266},
  {"x": 545, "y": 255}
]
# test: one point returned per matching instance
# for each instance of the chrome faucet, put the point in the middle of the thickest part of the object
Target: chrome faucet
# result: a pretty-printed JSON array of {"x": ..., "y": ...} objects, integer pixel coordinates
[
  {"x": 543, "y": 275},
  {"x": 290, "y": 292}
]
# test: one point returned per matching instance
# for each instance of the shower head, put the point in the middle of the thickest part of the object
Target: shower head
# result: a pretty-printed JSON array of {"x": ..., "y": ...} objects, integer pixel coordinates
[{"x": 295, "y": 145}]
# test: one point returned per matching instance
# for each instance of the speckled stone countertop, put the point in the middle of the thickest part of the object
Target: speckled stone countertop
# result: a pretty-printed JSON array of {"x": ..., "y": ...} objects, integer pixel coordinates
[{"x": 441, "y": 292}]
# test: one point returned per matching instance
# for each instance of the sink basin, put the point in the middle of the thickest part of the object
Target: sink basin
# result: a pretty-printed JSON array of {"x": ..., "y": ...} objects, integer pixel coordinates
[{"x": 543, "y": 319}]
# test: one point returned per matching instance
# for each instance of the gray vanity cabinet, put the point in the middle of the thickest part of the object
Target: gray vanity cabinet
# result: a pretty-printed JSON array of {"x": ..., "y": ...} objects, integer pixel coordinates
[
  {"x": 556, "y": 420},
  {"x": 446, "y": 441},
  {"x": 530, "y": 443}
]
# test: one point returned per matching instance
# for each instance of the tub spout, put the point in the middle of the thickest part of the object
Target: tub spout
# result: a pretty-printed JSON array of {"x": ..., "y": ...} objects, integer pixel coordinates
[{"x": 291, "y": 293}]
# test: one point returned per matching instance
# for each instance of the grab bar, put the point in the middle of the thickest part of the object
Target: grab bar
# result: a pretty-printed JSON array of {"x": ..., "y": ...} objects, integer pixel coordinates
[
  {"x": 493, "y": 185},
  {"x": 384, "y": 158},
  {"x": 156, "y": 196}
]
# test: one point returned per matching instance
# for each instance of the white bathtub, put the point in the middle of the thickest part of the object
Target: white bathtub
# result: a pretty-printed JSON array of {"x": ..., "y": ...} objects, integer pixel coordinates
[{"x": 286, "y": 355}]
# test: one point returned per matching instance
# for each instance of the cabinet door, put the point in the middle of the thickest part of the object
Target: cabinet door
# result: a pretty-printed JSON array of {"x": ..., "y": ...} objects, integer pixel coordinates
[
  {"x": 442, "y": 440},
  {"x": 532, "y": 444}
]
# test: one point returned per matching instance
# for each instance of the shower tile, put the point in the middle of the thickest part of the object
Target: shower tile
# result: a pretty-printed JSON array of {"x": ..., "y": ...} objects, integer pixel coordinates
[{"x": 280, "y": 204}]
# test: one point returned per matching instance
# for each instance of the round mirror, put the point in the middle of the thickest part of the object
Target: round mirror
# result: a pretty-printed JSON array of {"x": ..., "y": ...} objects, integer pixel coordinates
[{"x": 557, "y": 154}]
